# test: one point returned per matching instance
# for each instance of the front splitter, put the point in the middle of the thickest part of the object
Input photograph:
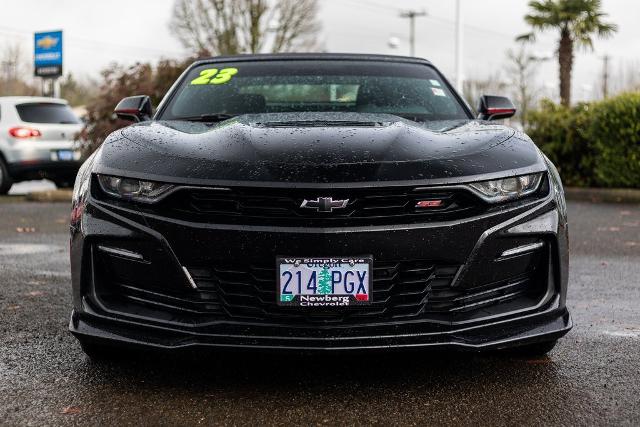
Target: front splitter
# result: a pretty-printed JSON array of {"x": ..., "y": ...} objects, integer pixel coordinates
[{"x": 542, "y": 326}]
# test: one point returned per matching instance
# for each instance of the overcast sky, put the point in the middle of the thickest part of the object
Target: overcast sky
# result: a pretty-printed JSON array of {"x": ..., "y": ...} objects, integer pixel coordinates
[{"x": 97, "y": 32}]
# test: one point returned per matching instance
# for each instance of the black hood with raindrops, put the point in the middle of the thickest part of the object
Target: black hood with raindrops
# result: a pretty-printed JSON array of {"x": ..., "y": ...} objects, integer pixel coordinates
[{"x": 318, "y": 148}]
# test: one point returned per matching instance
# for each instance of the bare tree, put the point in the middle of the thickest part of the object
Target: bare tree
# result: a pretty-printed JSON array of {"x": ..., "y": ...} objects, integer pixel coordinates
[
  {"x": 119, "y": 81},
  {"x": 625, "y": 77},
  {"x": 219, "y": 27},
  {"x": 15, "y": 76},
  {"x": 78, "y": 91},
  {"x": 522, "y": 67},
  {"x": 492, "y": 85}
]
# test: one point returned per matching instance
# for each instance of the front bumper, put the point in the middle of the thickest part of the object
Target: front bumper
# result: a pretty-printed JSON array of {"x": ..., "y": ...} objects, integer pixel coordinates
[
  {"x": 44, "y": 169},
  {"x": 167, "y": 247}
]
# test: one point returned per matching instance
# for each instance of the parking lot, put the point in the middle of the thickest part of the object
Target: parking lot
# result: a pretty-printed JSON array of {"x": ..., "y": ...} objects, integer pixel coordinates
[{"x": 591, "y": 377}]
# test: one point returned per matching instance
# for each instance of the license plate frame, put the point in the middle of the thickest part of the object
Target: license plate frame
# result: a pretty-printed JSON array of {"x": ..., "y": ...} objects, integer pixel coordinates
[{"x": 338, "y": 298}]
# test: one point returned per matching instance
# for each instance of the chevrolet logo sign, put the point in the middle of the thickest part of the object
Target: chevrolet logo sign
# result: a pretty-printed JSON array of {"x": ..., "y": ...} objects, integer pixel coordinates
[
  {"x": 47, "y": 42},
  {"x": 324, "y": 204}
]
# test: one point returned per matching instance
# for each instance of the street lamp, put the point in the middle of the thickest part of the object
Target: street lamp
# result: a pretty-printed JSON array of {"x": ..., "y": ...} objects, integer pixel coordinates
[{"x": 393, "y": 42}]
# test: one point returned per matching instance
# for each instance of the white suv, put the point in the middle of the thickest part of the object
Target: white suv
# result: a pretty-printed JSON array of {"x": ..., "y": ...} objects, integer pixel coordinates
[{"x": 37, "y": 141}]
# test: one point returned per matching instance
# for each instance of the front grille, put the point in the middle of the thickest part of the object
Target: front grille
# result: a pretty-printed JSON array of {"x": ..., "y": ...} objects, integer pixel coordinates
[
  {"x": 401, "y": 291},
  {"x": 283, "y": 206},
  {"x": 323, "y": 123}
]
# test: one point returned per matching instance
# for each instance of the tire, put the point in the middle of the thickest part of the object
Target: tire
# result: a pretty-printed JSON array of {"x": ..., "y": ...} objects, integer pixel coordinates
[
  {"x": 5, "y": 179},
  {"x": 538, "y": 349}
]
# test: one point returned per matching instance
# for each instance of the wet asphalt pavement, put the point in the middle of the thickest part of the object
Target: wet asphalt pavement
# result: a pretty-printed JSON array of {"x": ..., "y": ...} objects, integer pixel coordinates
[{"x": 591, "y": 378}]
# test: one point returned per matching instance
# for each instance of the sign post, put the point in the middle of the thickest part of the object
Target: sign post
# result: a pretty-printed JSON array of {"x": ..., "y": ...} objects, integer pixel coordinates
[{"x": 47, "y": 55}]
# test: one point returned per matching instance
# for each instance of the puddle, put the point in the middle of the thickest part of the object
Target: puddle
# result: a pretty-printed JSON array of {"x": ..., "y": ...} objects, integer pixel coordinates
[
  {"x": 27, "y": 248},
  {"x": 623, "y": 334},
  {"x": 53, "y": 273}
]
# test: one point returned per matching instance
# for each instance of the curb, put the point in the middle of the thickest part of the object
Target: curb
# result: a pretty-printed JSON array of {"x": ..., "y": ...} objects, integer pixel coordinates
[
  {"x": 603, "y": 195},
  {"x": 60, "y": 196}
]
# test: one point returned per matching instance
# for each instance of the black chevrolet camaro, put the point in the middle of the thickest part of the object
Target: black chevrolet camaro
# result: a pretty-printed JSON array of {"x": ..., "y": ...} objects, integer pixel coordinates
[{"x": 318, "y": 202}]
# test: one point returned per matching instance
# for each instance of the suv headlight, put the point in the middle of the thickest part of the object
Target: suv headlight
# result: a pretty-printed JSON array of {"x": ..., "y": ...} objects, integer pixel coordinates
[
  {"x": 133, "y": 189},
  {"x": 501, "y": 190}
]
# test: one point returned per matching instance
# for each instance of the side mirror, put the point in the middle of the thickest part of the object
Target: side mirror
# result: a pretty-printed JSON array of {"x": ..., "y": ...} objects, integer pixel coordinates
[
  {"x": 135, "y": 108},
  {"x": 495, "y": 108}
]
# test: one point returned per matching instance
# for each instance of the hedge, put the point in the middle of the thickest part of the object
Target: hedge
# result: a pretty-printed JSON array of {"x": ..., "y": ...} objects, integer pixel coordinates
[{"x": 592, "y": 144}]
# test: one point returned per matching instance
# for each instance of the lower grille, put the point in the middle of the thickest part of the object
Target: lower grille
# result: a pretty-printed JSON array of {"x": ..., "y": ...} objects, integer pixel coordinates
[{"x": 401, "y": 291}]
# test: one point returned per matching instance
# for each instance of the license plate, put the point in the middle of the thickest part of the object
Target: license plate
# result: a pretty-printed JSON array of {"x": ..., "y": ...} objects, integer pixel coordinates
[
  {"x": 65, "y": 155},
  {"x": 324, "y": 282}
]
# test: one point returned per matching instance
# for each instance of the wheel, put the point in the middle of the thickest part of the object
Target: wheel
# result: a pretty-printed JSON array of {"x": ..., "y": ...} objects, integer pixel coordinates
[
  {"x": 63, "y": 183},
  {"x": 5, "y": 179},
  {"x": 99, "y": 352},
  {"x": 538, "y": 349}
]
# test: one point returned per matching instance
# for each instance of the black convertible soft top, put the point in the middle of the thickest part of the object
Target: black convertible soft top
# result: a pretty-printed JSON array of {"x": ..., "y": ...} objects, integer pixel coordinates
[{"x": 308, "y": 56}]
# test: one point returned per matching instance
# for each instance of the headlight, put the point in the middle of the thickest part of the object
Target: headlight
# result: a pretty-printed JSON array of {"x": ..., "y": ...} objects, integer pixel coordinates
[
  {"x": 133, "y": 189},
  {"x": 500, "y": 190}
]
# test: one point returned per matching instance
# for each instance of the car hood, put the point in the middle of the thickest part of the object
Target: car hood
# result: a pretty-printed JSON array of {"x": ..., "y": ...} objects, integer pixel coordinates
[{"x": 317, "y": 148}]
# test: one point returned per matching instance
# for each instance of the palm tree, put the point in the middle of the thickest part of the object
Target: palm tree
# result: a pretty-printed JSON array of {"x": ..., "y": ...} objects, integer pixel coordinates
[{"x": 578, "y": 21}]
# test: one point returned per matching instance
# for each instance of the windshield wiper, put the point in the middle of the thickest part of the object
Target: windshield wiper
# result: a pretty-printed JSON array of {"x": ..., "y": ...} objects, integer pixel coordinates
[
  {"x": 420, "y": 118},
  {"x": 209, "y": 118}
]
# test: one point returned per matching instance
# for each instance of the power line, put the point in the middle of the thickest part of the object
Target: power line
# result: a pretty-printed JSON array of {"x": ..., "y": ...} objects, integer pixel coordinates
[
  {"x": 369, "y": 4},
  {"x": 77, "y": 41}
]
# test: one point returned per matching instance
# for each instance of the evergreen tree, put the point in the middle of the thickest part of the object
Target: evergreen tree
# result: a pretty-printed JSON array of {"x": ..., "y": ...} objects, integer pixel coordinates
[{"x": 324, "y": 282}]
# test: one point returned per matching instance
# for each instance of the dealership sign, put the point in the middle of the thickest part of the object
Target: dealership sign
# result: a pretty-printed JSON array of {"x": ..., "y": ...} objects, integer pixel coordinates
[{"x": 48, "y": 54}]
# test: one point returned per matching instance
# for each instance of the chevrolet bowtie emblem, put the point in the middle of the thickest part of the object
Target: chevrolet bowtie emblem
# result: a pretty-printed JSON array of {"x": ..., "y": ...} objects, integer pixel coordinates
[
  {"x": 324, "y": 204},
  {"x": 47, "y": 42}
]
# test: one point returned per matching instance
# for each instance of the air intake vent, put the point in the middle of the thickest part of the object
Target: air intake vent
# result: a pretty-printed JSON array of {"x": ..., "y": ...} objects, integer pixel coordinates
[{"x": 321, "y": 123}]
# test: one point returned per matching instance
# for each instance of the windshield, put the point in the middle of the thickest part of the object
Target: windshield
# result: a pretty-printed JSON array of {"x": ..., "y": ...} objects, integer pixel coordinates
[
  {"x": 43, "y": 112},
  {"x": 413, "y": 91}
]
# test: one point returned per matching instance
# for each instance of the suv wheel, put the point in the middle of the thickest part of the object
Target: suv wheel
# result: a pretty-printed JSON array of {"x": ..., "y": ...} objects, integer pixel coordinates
[{"x": 5, "y": 179}]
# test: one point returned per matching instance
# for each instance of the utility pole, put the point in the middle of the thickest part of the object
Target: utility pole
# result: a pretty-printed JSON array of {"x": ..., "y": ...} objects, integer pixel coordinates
[
  {"x": 605, "y": 77},
  {"x": 412, "y": 15},
  {"x": 9, "y": 75},
  {"x": 9, "y": 70},
  {"x": 459, "y": 34}
]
